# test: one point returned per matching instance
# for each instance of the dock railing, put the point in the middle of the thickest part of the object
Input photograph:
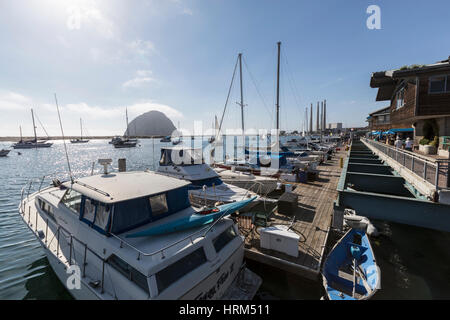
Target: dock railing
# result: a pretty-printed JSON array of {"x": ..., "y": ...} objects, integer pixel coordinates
[{"x": 434, "y": 171}]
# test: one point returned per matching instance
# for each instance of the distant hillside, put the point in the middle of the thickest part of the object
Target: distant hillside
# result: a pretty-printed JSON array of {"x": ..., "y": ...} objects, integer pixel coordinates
[{"x": 152, "y": 123}]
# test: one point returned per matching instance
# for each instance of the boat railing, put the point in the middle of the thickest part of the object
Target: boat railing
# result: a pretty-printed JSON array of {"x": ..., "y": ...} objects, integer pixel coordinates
[
  {"x": 61, "y": 231},
  {"x": 191, "y": 238},
  {"x": 40, "y": 181},
  {"x": 434, "y": 171}
]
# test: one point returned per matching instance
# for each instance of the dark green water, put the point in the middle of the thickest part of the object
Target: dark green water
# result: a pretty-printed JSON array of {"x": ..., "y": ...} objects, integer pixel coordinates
[{"x": 415, "y": 262}]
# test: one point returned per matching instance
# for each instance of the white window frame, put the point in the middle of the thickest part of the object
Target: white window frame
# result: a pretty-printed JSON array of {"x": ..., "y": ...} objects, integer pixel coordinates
[
  {"x": 402, "y": 90},
  {"x": 446, "y": 76}
]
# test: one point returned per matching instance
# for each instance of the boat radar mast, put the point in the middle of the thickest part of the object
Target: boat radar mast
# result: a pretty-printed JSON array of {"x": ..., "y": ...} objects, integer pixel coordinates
[{"x": 105, "y": 163}]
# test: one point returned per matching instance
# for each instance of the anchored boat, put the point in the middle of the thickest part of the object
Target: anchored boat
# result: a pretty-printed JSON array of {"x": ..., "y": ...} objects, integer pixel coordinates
[
  {"x": 259, "y": 184},
  {"x": 80, "y": 140},
  {"x": 126, "y": 141},
  {"x": 350, "y": 271},
  {"x": 120, "y": 231},
  {"x": 31, "y": 143},
  {"x": 207, "y": 188},
  {"x": 4, "y": 152}
]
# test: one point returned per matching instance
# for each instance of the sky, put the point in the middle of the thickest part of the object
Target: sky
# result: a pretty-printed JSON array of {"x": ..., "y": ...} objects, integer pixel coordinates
[{"x": 178, "y": 56}]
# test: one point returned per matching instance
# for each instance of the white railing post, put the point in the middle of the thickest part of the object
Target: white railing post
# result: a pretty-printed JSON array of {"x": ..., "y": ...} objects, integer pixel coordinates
[{"x": 436, "y": 179}]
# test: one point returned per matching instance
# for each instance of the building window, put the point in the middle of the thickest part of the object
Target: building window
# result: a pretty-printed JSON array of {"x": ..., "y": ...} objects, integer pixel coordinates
[
  {"x": 439, "y": 84},
  {"x": 400, "y": 98}
]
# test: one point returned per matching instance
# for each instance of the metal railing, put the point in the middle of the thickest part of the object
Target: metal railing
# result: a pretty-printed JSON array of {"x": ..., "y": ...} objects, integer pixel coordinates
[
  {"x": 61, "y": 231},
  {"x": 435, "y": 172}
]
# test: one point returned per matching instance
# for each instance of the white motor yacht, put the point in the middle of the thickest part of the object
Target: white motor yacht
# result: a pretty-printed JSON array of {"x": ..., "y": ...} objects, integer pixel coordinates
[
  {"x": 207, "y": 188},
  {"x": 259, "y": 184},
  {"x": 128, "y": 235}
]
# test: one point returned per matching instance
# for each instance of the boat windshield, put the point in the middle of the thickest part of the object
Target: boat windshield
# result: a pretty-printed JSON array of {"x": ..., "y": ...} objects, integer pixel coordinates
[{"x": 72, "y": 200}]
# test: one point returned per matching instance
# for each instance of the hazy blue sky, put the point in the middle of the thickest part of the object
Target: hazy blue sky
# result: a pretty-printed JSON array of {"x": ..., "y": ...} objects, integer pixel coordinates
[{"x": 178, "y": 56}]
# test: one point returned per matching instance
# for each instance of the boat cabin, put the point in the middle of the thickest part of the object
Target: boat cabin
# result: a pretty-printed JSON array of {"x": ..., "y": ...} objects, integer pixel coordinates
[
  {"x": 181, "y": 156},
  {"x": 115, "y": 203}
]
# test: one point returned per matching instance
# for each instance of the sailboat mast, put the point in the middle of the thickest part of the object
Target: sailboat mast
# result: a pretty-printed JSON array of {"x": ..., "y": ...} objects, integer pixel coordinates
[
  {"x": 278, "y": 88},
  {"x": 126, "y": 115},
  {"x": 242, "y": 92},
  {"x": 34, "y": 125},
  {"x": 81, "y": 128},
  {"x": 20, "y": 128}
]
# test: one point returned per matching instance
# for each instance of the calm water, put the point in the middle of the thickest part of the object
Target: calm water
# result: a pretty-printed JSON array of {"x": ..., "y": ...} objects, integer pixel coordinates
[{"x": 415, "y": 262}]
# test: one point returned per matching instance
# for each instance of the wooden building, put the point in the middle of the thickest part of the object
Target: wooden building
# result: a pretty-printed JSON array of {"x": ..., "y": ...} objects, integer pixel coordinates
[
  {"x": 380, "y": 119},
  {"x": 419, "y": 98}
]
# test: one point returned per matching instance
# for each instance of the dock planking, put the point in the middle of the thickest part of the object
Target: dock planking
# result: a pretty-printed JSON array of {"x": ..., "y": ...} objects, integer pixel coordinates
[{"x": 312, "y": 222}]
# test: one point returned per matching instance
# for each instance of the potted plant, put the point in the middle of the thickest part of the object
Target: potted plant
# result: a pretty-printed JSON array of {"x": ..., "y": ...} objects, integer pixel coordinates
[{"x": 429, "y": 147}]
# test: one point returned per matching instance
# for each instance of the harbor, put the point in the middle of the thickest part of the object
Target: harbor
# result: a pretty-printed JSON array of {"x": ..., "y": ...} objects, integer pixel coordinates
[
  {"x": 154, "y": 151},
  {"x": 404, "y": 269}
]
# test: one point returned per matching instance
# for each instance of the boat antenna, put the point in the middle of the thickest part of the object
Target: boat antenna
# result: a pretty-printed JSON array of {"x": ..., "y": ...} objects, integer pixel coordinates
[{"x": 64, "y": 140}]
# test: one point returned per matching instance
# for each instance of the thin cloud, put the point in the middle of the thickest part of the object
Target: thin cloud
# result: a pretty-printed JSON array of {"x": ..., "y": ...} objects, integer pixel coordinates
[
  {"x": 142, "y": 78},
  {"x": 91, "y": 18},
  {"x": 14, "y": 101}
]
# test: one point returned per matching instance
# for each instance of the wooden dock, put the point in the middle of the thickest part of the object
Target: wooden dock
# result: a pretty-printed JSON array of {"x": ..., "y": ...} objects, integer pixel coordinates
[{"x": 312, "y": 223}]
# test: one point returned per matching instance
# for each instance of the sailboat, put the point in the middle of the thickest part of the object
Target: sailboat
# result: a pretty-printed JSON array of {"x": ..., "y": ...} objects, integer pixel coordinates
[
  {"x": 125, "y": 142},
  {"x": 31, "y": 143},
  {"x": 216, "y": 138},
  {"x": 80, "y": 140}
]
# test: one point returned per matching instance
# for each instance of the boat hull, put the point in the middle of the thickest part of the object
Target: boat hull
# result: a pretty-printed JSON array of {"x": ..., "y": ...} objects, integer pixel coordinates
[
  {"x": 260, "y": 187},
  {"x": 33, "y": 146},
  {"x": 79, "y": 141},
  {"x": 4, "y": 153}
]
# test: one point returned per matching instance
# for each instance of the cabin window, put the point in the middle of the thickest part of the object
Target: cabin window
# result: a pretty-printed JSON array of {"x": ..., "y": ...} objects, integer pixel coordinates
[
  {"x": 224, "y": 238},
  {"x": 47, "y": 208},
  {"x": 180, "y": 268},
  {"x": 128, "y": 271},
  {"x": 130, "y": 214},
  {"x": 439, "y": 84},
  {"x": 89, "y": 210},
  {"x": 158, "y": 204},
  {"x": 102, "y": 215},
  {"x": 72, "y": 200}
]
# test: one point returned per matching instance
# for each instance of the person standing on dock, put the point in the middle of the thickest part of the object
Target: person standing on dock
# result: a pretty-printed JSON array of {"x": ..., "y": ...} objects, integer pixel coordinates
[
  {"x": 398, "y": 143},
  {"x": 408, "y": 144}
]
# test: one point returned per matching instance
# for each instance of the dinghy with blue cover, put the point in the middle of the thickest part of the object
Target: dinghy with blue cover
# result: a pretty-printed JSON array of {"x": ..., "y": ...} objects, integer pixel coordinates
[
  {"x": 197, "y": 219},
  {"x": 350, "y": 271}
]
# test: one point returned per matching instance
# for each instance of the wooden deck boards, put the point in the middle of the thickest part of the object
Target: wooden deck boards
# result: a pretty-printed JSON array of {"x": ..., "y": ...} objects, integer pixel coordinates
[{"x": 312, "y": 222}]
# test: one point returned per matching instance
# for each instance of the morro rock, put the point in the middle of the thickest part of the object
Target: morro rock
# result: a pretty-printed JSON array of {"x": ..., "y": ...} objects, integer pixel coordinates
[{"x": 152, "y": 123}]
